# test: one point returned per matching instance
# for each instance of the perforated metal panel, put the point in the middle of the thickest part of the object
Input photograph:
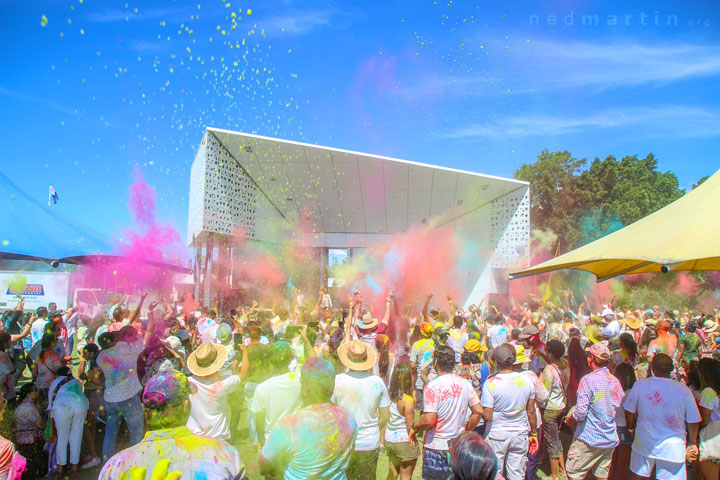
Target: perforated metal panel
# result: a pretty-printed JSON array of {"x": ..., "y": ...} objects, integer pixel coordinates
[{"x": 510, "y": 226}]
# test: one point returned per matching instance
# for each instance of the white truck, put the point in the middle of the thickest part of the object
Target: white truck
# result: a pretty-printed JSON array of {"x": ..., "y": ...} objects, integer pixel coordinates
[{"x": 40, "y": 288}]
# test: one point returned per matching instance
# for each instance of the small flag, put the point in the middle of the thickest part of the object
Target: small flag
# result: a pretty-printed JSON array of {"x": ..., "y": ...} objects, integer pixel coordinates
[{"x": 52, "y": 195}]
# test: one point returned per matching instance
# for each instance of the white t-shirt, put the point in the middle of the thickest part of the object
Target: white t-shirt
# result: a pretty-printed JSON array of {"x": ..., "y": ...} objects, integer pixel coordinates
[
  {"x": 620, "y": 412},
  {"x": 37, "y": 329},
  {"x": 210, "y": 411},
  {"x": 663, "y": 406},
  {"x": 508, "y": 394},
  {"x": 709, "y": 399},
  {"x": 497, "y": 335},
  {"x": 363, "y": 394},
  {"x": 449, "y": 396},
  {"x": 277, "y": 397}
]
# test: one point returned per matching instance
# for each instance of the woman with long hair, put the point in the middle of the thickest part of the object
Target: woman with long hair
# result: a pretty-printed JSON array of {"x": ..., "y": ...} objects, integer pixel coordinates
[
  {"x": 628, "y": 352},
  {"x": 555, "y": 377},
  {"x": 621, "y": 456},
  {"x": 93, "y": 389},
  {"x": 709, "y": 406},
  {"x": 577, "y": 361},
  {"x": 48, "y": 362},
  {"x": 386, "y": 359},
  {"x": 402, "y": 449}
]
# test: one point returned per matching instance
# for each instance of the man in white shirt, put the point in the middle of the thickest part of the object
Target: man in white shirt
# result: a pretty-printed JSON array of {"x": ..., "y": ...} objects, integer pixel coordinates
[
  {"x": 508, "y": 402},
  {"x": 663, "y": 413},
  {"x": 498, "y": 333},
  {"x": 458, "y": 336},
  {"x": 447, "y": 400},
  {"x": 277, "y": 396},
  {"x": 210, "y": 412},
  {"x": 366, "y": 396}
]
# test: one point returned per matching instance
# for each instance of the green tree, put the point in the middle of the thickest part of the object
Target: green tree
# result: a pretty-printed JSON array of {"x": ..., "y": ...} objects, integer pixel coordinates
[{"x": 582, "y": 204}]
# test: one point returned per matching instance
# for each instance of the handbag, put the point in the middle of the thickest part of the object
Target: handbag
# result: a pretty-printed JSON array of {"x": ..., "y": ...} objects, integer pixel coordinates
[{"x": 709, "y": 440}]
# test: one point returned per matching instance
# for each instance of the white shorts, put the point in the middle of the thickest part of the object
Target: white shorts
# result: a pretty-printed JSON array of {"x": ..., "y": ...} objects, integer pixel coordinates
[
  {"x": 511, "y": 450},
  {"x": 643, "y": 466}
]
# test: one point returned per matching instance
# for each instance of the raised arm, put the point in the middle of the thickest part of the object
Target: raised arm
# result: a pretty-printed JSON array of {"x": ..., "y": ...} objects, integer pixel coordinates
[
  {"x": 452, "y": 307},
  {"x": 136, "y": 313},
  {"x": 25, "y": 331},
  {"x": 425, "y": 307},
  {"x": 388, "y": 307}
]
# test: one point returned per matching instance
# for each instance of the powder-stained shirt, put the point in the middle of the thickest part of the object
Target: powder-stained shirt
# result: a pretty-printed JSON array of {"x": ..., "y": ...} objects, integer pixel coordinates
[
  {"x": 457, "y": 341},
  {"x": 316, "y": 442},
  {"x": 663, "y": 406},
  {"x": 210, "y": 412},
  {"x": 556, "y": 378},
  {"x": 275, "y": 398},
  {"x": 508, "y": 395},
  {"x": 363, "y": 394},
  {"x": 497, "y": 335},
  {"x": 119, "y": 365},
  {"x": 665, "y": 343},
  {"x": 599, "y": 395},
  {"x": 196, "y": 457},
  {"x": 449, "y": 396},
  {"x": 709, "y": 399},
  {"x": 421, "y": 354},
  {"x": 692, "y": 343}
]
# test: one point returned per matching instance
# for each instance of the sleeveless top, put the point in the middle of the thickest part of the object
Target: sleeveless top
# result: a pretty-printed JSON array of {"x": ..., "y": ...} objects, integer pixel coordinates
[{"x": 396, "y": 431}]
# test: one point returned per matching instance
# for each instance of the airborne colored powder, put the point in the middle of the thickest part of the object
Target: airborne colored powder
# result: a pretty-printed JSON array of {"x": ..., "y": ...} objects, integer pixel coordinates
[{"x": 141, "y": 251}]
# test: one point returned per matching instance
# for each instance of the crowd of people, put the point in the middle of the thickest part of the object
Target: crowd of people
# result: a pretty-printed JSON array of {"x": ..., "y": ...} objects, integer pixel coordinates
[{"x": 476, "y": 393}]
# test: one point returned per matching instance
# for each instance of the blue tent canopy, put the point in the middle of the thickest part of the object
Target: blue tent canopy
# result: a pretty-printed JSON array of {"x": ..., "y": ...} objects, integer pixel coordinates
[{"x": 31, "y": 231}]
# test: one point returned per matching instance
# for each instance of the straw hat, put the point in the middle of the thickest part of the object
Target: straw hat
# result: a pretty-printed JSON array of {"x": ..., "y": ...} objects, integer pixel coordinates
[
  {"x": 357, "y": 355},
  {"x": 709, "y": 326},
  {"x": 173, "y": 345},
  {"x": 207, "y": 359},
  {"x": 632, "y": 321},
  {"x": 367, "y": 321}
]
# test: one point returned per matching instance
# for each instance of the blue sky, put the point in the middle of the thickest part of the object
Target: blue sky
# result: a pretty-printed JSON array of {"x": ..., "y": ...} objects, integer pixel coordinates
[{"x": 475, "y": 85}]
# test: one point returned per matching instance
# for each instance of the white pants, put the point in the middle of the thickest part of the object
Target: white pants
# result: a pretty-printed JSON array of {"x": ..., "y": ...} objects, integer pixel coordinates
[
  {"x": 69, "y": 421},
  {"x": 511, "y": 450},
  {"x": 643, "y": 466}
]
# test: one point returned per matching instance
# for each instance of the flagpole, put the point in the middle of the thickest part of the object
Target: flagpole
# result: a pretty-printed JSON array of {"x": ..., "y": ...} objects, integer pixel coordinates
[{"x": 49, "y": 194}]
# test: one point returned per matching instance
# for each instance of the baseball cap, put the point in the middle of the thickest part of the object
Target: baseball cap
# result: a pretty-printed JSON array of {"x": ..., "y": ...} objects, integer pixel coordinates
[
  {"x": 599, "y": 350},
  {"x": 167, "y": 388},
  {"x": 528, "y": 332},
  {"x": 504, "y": 354}
]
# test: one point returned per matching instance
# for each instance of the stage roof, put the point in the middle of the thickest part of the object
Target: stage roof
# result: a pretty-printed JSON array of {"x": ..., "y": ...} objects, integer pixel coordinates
[{"x": 351, "y": 192}]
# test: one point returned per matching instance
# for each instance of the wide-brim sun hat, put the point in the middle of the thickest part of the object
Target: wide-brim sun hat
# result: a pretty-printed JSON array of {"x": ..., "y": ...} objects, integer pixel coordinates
[
  {"x": 357, "y": 355},
  {"x": 710, "y": 326},
  {"x": 367, "y": 321},
  {"x": 172, "y": 344},
  {"x": 632, "y": 321},
  {"x": 207, "y": 359}
]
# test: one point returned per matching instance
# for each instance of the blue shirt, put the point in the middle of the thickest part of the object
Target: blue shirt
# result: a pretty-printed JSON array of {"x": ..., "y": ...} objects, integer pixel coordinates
[{"x": 599, "y": 396}]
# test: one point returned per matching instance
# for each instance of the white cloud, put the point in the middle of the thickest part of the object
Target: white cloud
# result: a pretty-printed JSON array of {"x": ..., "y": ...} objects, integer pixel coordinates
[
  {"x": 548, "y": 65},
  {"x": 669, "y": 121},
  {"x": 111, "y": 15},
  {"x": 296, "y": 23}
]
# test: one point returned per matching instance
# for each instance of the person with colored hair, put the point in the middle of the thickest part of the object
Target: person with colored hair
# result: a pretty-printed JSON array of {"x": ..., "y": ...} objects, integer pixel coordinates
[
  {"x": 166, "y": 402},
  {"x": 317, "y": 440},
  {"x": 402, "y": 450},
  {"x": 420, "y": 355}
]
